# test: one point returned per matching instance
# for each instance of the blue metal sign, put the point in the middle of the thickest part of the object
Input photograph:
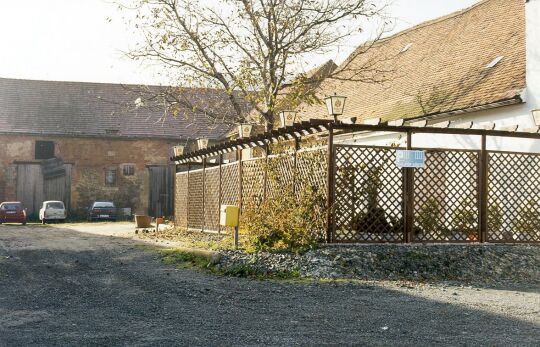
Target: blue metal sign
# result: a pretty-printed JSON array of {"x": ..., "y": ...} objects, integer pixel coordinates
[{"x": 415, "y": 159}]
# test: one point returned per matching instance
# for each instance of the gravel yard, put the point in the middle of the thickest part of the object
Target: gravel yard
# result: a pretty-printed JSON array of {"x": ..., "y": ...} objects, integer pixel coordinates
[{"x": 91, "y": 284}]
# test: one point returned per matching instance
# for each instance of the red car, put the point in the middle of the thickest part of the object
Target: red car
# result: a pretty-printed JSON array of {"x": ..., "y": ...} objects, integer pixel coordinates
[{"x": 12, "y": 212}]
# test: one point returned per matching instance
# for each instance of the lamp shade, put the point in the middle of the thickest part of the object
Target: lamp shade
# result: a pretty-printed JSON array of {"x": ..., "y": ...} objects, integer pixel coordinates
[
  {"x": 178, "y": 150},
  {"x": 335, "y": 104},
  {"x": 202, "y": 143},
  {"x": 287, "y": 118},
  {"x": 244, "y": 130}
]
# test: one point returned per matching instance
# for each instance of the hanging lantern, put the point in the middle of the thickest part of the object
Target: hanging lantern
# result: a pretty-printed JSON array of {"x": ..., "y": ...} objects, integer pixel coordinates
[
  {"x": 178, "y": 150},
  {"x": 244, "y": 130},
  {"x": 287, "y": 118},
  {"x": 202, "y": 143},
  {"x": 335, "y": 105}
]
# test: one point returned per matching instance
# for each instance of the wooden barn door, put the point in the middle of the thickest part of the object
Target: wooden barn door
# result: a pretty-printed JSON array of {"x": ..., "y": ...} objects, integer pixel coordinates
[
  {"x": 161, "y": 182},
  {"x": 34, "y": 187},
  {"x": 30, "y": 187},
  {"x": 58, "y": 187}
]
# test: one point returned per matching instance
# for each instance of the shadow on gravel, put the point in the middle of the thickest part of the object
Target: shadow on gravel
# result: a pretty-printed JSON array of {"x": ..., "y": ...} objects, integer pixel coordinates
[{"x": 60, "y": 287}]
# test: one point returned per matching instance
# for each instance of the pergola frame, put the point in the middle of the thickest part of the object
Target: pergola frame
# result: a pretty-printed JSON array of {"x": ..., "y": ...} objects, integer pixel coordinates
[{"x": 321, "y": 126}]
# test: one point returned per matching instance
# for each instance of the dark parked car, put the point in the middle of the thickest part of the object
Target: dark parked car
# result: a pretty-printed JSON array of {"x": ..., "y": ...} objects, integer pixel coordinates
[
  {"x": 12, "y": 212},
  {"x": 102, "y": 210}
]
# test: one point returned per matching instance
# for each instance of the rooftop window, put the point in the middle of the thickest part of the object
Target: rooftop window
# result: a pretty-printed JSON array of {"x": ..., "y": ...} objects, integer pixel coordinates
[
  {"x": 494, "y": 62},
  {"x": 406, "y": 48}
]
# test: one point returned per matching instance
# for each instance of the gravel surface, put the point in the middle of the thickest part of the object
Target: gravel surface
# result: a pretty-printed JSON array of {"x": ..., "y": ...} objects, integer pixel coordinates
[
  {"x": 488, "y": 265},
  {"x": 74, "y": 286}
]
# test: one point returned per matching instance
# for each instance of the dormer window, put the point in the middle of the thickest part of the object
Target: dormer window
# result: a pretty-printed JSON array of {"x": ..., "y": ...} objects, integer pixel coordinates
[
  {"x": 406, "y": 48},
  {"x": 494, "y": 62}
]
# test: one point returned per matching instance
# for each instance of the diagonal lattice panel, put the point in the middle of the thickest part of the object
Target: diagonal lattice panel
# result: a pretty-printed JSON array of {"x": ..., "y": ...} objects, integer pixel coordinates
[
  {"x": 252, "y": 183},
  {"x": 446, "y": 197},
  {"x": 280, "y": 174},
  {"x": 211, "y": 199},
  {"x": 195, "y": 200},
  {"x": 513, "y": 197},
  {"x": 368, "y": 195},
  {"x": 311, "y": 170},
  {"x": 229, "y": 184},
  {"x": 181, "y": 199}
]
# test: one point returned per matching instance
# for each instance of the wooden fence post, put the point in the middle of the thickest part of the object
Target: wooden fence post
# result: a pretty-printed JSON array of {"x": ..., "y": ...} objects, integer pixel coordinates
[
  {"x": 239, "y": 183},
  {"x": 220, "y": 158},
  {"x": 295, "y": 165},
  {"x": 187, "y": 198},
  {"x": 408, "y": 196},
  {"x": 330, "y": 186},
  {"x": 203, "y": 193},
  {"x": 483, "y": 191},
  {"x": 265, "y": 178}
]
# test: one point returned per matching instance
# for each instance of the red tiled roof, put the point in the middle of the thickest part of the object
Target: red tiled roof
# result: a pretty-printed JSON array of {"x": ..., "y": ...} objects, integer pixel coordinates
[{"x": 444, "y": 68}]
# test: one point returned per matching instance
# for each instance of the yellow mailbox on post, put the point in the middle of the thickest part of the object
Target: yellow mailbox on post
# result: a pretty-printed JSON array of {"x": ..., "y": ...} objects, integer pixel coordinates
[{"x": 229, "y": 216}]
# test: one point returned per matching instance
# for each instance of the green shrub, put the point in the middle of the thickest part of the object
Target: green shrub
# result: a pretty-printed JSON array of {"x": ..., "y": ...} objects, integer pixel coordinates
[
  {"x": 287, "y": 221},
  {"x": 465, "y": 217},
  {"x": 527, "y": 220},
  {"x": 429, "y": 217},
  {"x": 495, "y": 217}
]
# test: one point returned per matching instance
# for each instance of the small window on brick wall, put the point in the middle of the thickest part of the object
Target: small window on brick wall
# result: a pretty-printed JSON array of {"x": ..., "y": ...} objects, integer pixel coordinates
[
  {"x": 128, "y": 169},
  {"x": 110, "y": 177},
  {"x": 44, "y": 150}
]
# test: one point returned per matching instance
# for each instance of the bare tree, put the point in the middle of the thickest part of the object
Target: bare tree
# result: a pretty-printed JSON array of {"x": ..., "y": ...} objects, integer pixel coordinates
[{"x": 250, "y": 49}]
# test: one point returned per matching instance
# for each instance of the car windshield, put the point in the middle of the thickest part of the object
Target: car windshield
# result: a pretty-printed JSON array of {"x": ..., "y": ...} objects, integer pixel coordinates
[
  {"x": 103, "y": 204},
  {"x": 11, "y": 207},
  {"x": 55, "y": 205}
]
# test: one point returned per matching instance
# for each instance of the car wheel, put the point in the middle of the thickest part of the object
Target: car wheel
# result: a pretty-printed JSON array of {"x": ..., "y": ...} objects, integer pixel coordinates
[{"x": 24, "y": 223}]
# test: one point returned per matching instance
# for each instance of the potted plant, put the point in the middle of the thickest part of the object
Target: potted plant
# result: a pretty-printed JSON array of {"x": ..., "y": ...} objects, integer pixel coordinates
[{"x": 465, "y": 220}]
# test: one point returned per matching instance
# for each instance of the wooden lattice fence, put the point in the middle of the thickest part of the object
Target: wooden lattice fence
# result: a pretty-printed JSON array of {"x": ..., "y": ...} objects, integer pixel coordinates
[{"x": 370, "y": 199}]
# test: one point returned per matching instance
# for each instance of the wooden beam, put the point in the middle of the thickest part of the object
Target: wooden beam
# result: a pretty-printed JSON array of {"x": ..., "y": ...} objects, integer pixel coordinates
[
  {"x": 396, "y": 123},
  {"x": 465, "y": 125},
  {"x": 444, "y": 124},
  {"x": 484, "y": 125},
  {"x": 418, "y": 124},
  {"x": 535, "y": 129},
  {"x": 372, "y": 121},
  {"x": 508, "y": 128}
]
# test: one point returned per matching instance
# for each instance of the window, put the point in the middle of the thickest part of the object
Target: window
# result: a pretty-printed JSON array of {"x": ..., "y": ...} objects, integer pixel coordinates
[
  {"x": 110, "y": 177},
  {"x": 128, "y": 170},
  {"x": 494, "y": 62},
  {"x": 44, "y": 150}
]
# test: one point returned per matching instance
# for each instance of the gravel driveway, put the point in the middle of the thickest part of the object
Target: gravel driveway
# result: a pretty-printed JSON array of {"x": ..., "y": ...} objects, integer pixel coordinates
[{"x": 72, "y": 285}]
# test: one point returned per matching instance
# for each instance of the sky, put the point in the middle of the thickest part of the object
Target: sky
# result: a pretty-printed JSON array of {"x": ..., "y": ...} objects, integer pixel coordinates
[{"x": 84, "y": 40}]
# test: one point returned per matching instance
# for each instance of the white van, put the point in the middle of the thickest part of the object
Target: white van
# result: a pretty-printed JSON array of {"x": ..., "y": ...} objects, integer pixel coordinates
[{"x": 52, "y": 211}]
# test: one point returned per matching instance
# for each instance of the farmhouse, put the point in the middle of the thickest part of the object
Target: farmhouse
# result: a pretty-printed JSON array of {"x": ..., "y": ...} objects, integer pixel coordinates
[
  {"x": 79, "y": 142},
  {"x": 462, "y": 90},
  {"x": 481, "y": 64}
]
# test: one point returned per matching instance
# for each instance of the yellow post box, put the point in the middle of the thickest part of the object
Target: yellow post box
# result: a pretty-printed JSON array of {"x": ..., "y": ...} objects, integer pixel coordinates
[{"x": 229, "y": 216}]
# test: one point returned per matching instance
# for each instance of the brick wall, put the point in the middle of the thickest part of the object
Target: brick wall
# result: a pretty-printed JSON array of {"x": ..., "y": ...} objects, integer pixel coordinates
[{"x": 90, "y": 158}]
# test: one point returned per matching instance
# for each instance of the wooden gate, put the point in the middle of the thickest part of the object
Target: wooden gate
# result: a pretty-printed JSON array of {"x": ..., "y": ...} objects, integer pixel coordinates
[
  {"x": 33, "y": 188},
  {"x": 161, "y": 183}
]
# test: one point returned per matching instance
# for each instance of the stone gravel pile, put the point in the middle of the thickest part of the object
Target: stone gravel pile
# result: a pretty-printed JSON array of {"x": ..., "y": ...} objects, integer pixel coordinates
[{"x": 490, "y": 264}]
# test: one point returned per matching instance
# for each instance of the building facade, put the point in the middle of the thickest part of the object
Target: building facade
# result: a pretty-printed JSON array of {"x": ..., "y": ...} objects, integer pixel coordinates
[{"x": 82, "y": 142}]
